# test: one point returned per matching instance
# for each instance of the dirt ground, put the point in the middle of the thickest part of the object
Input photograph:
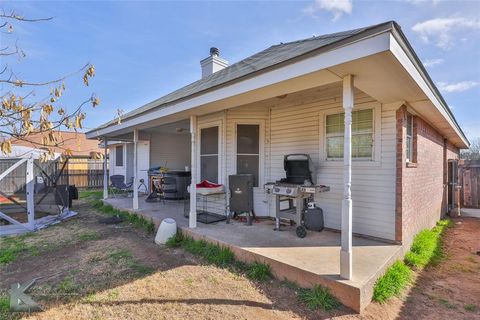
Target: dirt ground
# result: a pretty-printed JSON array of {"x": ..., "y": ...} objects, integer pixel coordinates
[{"x": 91, "y": 270}]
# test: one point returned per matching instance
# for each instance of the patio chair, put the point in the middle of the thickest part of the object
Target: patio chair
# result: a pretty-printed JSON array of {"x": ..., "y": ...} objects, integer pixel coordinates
[{"x": 118, "y": 185}]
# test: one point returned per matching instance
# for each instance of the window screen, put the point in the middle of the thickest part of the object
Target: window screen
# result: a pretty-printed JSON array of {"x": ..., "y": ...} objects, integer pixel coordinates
[
  {"x": 248, "y": 150},
  {"x": 119, "y": 156},
  {"x": 209, "y": 154},
  {"x": 362, "y": 134}
]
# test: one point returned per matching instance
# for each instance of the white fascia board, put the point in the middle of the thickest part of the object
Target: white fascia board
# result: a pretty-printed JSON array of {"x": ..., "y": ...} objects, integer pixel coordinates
[
  {"x": 352, "y": 51},
  {"x": 407, "y": 63}
]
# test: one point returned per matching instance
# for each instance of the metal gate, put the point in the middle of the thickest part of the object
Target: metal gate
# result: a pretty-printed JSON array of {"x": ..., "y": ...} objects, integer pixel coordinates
[{"x": 469, "y": 175}]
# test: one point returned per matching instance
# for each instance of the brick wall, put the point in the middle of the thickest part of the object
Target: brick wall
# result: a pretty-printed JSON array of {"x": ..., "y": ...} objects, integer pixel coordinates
[{"x": 421, "y": 193}]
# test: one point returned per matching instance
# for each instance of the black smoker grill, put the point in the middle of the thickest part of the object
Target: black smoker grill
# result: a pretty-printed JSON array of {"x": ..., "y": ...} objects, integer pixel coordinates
[{"x": 298, "y": 186}]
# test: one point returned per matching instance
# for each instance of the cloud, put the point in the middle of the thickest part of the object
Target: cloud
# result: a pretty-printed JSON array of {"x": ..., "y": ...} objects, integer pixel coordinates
[
  {"x": 442, "y": 30},
  {"x": 457, "y": 87},
  {"x": 430, "y": 63},
  {"x": 337, "y": 7},
  {"x": 419, "y": 2}
]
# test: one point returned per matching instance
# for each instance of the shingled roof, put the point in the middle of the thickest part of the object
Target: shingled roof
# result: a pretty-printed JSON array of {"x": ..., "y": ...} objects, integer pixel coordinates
[{"x": 272, "y": 56}]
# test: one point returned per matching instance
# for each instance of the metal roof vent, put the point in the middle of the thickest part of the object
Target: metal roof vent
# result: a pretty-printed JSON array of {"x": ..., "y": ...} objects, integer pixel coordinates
[{"x": 213, "y": 63}]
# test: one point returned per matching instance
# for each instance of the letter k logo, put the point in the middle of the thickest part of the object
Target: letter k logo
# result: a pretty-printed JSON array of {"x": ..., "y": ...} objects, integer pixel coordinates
[{"x": 21, "y": 302}]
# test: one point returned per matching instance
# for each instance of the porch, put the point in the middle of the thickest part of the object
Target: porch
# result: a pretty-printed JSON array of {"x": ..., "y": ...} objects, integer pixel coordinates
[{"x": 311, "y": 260}]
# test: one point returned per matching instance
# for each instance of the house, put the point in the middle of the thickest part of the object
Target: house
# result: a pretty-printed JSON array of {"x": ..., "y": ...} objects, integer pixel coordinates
[
  {"x": 359, "y": 102},
  {"x": 76, "y": 142}
]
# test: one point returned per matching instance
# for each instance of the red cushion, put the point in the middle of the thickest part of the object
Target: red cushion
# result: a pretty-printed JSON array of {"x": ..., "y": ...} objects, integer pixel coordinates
[{"x": 207, "y": 184}]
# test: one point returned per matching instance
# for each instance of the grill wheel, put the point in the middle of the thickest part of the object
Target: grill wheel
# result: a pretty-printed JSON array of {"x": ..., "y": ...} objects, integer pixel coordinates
[{"x": 301, "y": 231}]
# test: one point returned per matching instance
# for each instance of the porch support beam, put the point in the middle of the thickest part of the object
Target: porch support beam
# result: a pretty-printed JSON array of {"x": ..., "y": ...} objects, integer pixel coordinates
[
  {"x": 30, "y": 183},
  {"x": 105, "y": 168},
  {"x": 135, "y": 169},
  {"x": 192, "y": 221},
  {"x": 346, "y": 250}
]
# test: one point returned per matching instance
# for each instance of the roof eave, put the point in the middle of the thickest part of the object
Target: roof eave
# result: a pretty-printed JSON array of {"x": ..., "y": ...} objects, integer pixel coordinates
[
  {"x": 406, "y": 46},
  {"x": 374, "y": 30}
]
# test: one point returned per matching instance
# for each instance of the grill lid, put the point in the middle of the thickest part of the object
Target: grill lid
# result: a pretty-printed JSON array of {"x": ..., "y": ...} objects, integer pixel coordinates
[{"x": 298, "y": 168}]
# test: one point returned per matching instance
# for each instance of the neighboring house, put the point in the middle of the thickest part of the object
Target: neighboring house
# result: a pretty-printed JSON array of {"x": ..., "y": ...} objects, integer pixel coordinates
[
  {"x": 293, "y": 98},
  {"x": 77, "y": 142},
  {"x": 85, "y": 169}
]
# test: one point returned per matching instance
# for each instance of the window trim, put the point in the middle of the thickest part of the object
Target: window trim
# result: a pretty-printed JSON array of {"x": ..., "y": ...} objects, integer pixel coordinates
[
  {"x": 206, "y": 125},
  {"x": 261, "y": 147},
  {"x": 376, "y": 134}
]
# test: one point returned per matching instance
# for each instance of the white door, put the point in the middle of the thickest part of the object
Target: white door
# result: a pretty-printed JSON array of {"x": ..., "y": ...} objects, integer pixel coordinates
[{"x": 143, "y": 161}]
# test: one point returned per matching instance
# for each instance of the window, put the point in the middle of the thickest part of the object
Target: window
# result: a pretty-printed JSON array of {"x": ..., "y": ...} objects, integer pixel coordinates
[
  {"x": 209, "y": 154},
  {"x": 248, "y": 150},
  {"x": 362, "y": 134},
  {"x": 409, "y": 139},
  {"x": 119, "y": 156}
]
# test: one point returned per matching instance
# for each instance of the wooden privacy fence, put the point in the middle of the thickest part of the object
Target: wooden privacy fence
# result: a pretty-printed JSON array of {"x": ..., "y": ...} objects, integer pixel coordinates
[
  {"x": 469, "y": 179},
  {"x": 85, "y": 172}
]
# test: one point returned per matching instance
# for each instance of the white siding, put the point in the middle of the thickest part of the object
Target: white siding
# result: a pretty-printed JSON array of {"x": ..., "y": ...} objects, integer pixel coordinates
[
  {"x": 245, "y": 115},
  {"x": 295, "y": 125}
]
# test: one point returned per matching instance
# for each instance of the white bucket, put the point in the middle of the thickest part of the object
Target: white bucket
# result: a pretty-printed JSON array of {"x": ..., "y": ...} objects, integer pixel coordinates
[{"x": 167, "y": 229}]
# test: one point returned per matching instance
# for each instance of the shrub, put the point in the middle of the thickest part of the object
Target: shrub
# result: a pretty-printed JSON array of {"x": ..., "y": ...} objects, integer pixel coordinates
[
  {"x": 427, "y": 246},
  {"x": 220, "y": 256},
  {"x": 318, "y": 297},
  {"x": 392, "y": 282},
  {"x": 259, "y": 271},
  {"x": 175, "y": 241}
]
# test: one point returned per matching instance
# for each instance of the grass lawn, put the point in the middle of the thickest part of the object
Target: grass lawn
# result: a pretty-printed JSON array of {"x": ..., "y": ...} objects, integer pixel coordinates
[{"x": 91, "y": 270}]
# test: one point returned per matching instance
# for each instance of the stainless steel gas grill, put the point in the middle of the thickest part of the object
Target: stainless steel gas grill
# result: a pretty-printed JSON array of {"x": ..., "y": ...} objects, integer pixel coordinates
[{"x": 296, "y": 190}]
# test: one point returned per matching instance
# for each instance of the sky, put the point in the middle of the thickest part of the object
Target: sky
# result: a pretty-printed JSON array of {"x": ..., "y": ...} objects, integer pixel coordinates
[{"x": 143, "y": 50}]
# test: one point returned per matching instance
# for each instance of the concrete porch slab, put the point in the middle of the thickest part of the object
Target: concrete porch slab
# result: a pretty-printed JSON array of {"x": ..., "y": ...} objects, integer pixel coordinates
[
  {"x": 312, "y": 260},
  {"x": 470, "y": 212}
]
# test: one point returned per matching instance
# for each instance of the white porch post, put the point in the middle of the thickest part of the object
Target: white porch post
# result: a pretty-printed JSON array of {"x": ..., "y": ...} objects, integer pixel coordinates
[
  {"x": 30, "y": 187},
  {"x": 105, "y": 168},
  {"x": 135, "y": 169},
  {"x": 346, "y": 250},
  {"x": 192, "y": 221}
]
